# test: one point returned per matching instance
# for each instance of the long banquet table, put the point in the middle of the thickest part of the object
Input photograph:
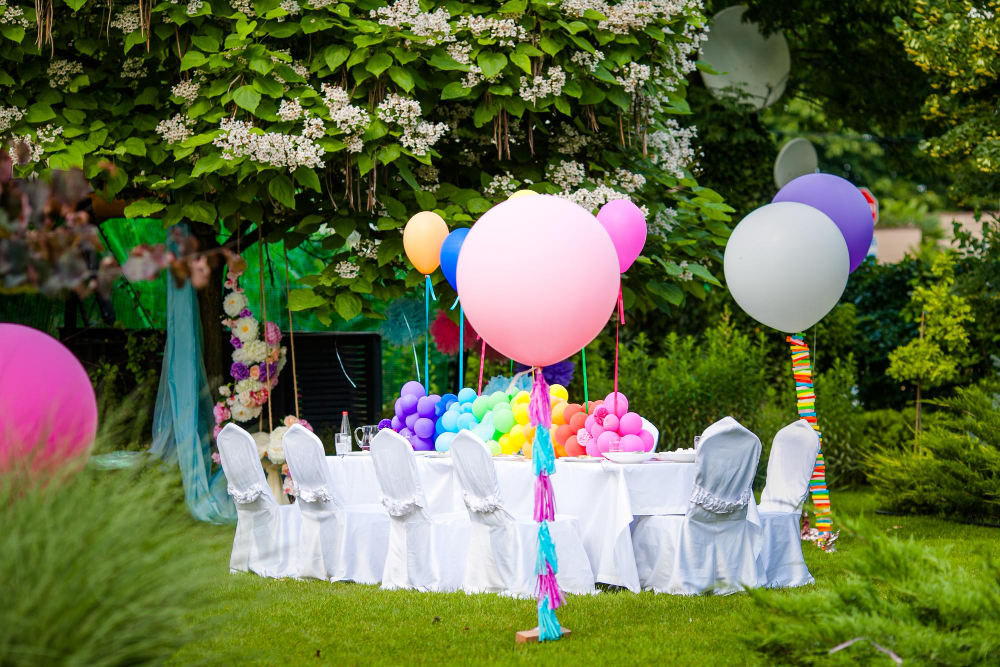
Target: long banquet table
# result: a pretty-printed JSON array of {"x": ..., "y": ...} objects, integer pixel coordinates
[{"x": 604, "y": 496}]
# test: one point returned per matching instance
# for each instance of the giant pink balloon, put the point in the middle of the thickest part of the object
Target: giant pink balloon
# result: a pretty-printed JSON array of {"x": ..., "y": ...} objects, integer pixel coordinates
[
  {"x": 512, "y": 260},
  {"x": 48, "y": 411},
  {"x": 626, "y": 225}
]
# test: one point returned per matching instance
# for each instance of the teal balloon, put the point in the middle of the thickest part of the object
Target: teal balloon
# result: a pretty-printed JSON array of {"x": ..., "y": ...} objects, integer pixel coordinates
[
  {"x": 467, "y": 420},
  {"x": 467, "y": 395},
  {"x": 485, "y": 429},
  {"x": 480, "y": 406},
  {"x": 449, "y": 421},
  {"x": 503, "y": 421},
  {"x": 443, "y": 442}
]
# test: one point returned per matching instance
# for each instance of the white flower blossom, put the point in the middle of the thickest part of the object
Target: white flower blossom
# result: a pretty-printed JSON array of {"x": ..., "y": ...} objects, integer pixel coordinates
[
  {"x": 186, "y": 90},
  {"x": 589, "y": 61},
  {"x": 275, "y": 448},
  {"x": 459, "y": 52},
  {"x": 133, "y": 68},
  {"x": 663, "y": 222},
  {"x": 501, "y": 187},
  {"x": 633, "y": 76},
  {"x": 505, "y": 31},
  {"x": 543, "y": 86},
  {"x": 630, "y": 15},
  {"x": 627, "y": 181},
  {"x": 418, "y": 135},
  {"x": 234, "y": 303},
  {"x": 9, "y": 116},
  {"x": 224, "y": 390},
  {"x": 592, "y": 200},
  {"x": 347, "y": 270},
  {"x": 246, "y": 328},
  {"x": 245, "y": 6},
  {"x": 567, "y": 174},
  {"x": 48, "y": 133},
  {"x": 290, "y": 6},
  {"x": 13, "y": 16},
  {"x": 428, "y": 177},
  {"x": 252, "y": 352},
  {"x": 176, "y": 129},
  {"x": 244, "y": 413},
  {"x": 314, "y": 127},
  {"x": 194, "y": 6},
  {"x": 271, "y": 148},
  {"x": 672, "y": 149},
  {"x": 368, "y": 248},
  {"x": 61, "y": 72},
  {"x": 981, "y": 14},
  {"x": 347, "y": 118},
  {"x": 569, "y": 141},
  {"x": 127, "y": 20},
  {"x": 32, "y": 152},
  {"x": 290, "y": 110},
  {"x": 402, "y": 14}
]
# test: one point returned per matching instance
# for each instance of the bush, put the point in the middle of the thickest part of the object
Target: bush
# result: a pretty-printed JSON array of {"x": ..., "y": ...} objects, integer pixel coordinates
[
  {"x": 954, "y": 468},
  {"x": 840, "y": 419},
  {"x": 900, "y": 595},
  {"x": 98, "y": 570}
]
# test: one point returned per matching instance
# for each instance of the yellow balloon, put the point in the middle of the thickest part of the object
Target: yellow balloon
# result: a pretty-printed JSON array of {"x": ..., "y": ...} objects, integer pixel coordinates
[
  {"x": 529, "y": 434},
  {"x": 422, "y": 239},
  {"x": 522, "y": 397},
  {"x": 559, "y": 391},
  {"x": 521, "y": 413},
  {"x": 557, "y": 413},
  {"x": 522, "y": 193},
  {"x": 505, "y": 445},
  {"x": 516, "y": 436}
]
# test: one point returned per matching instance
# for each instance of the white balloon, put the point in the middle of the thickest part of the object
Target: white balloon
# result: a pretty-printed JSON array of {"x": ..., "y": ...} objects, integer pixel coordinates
[{"x": 786, "y": 264}]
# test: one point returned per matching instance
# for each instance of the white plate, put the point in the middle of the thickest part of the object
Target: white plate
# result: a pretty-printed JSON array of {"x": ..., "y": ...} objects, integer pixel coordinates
[
  {"x": 629, "y": 457},
  {"x": 507, "y": 457},
  {"x": 362, "y": 453},
  {"x": 581, "y": 459},
  {"x": 436, "y": 455},
  {"x": 677, "y": 457}
]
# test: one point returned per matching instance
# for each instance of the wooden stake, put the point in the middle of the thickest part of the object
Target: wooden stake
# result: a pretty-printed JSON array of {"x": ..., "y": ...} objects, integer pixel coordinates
[{"x": 531, "y": 636}]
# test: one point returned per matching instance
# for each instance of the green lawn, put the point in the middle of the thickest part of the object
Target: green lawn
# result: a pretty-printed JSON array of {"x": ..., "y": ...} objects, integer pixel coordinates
[{"x": 272, "y": 622}]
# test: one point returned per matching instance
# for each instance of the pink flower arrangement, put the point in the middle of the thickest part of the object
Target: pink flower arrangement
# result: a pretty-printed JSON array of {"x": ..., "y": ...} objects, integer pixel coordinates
[
  {"x": 216, "y": 457},
  {"x": 221, "y": 412},
  {"x": 272, "y": 333},
  {"x": 292, "y": 419}
]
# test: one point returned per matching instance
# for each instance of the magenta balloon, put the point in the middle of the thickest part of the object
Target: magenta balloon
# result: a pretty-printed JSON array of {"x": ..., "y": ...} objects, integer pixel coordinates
[
  {"x": 626, "y": 225},
  {"x": 424, "y": 427},
  {"x": 590, "y": 421},
  {"x": 647, "y": 440},
  {"x": 605, "y": 440},
  {"x": 609, "y": 403},
  {"x": 842, "y": 202},
  {"x": 632, "y": 443},
  {"x": 596, "y": 430},
  {"x": 592, "y": 448},
  {"x": 611, "y": 423},
  {"x": 515, "y": 255},
  {"x": 630, "y": 424},
  {"x": 409, "y": 404},
  {"x": 412, "y": 388},
  {"x": 48, "y": 410}
]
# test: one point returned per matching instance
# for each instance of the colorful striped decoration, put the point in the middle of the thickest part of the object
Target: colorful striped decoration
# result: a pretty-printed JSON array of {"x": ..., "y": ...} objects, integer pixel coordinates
[{"x": 806, "y": 403}]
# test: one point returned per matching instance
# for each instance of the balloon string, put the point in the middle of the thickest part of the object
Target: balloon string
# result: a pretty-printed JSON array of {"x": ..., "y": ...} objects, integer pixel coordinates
[
  {"x": 461, "y": 346},
  {"x": 427, "y": 334},
  {"x": 482, "y": 362},
  {"x": 586, "y": 396},
  {"x": 620, "y": 320},
  {"x": 416, "y": 363},
  {"x": 454, "y": 304}
]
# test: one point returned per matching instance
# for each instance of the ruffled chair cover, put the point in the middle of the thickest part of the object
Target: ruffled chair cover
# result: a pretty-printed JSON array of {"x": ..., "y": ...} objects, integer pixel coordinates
[
  {"x": 336, "y": 543},
  {"x": 789, "y": 468},
  {"x": 714, "y": 547},
  {"x": 502, "y": 550},
  {"x": 426, "y": 552},
  {"x": 266, "y": 533}
]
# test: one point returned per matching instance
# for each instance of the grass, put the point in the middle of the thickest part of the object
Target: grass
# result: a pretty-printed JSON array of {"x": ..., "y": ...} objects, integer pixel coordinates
[{"x": 272, "y": 622}]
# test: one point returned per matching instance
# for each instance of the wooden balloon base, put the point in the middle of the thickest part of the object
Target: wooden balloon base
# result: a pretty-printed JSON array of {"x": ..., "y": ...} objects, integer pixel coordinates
[{"x": 527, "y": 636}]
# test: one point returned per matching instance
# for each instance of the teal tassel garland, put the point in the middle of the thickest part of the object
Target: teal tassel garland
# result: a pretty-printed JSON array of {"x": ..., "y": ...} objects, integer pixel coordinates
[{"x": 548, "y": 625}]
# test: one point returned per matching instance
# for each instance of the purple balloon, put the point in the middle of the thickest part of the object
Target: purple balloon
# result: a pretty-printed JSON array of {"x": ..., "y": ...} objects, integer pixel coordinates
[
  {"x": 397, "y": 424},
  {"x": 406, "y": 433},
  {"x": 425, "y": 406},
  {"x": 424, "y": 427},
  {"x": 414, "y": 388},
  {"x": 421, "y": 444},
  {"x": 409, "y": 404},
  {"x": 411, "y": 420},
  {"x": 400, "y": 412},
  {"x": 842, "y": 202}
]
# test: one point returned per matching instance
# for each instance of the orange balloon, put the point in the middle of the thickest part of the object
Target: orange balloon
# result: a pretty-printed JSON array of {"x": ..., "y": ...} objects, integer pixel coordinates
[
  {"x": 559, "y": 451},
  {"x": 578, "y": 421},
  {"x": 422, "y": 239},
  {"x": 526, "y": 448},
  {"x": 573, "y": 447},
  {"x": 563, "y": 432},
  {"x": 571, "y": 410}
]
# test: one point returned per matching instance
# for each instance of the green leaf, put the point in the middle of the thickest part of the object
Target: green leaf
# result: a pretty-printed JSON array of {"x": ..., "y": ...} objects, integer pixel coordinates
[
  {"x": 205, "y": 43},
  {"x": 365, "y": 163},
  {"x": 562, "y": 104},
  {"x": 513, "y": 7},
  {"x": 491, "y": 63},
  {"x": 208, "y": 163},
  {"x": 390, "y": 248},
  {"x": 269, "y": 86},
  {"x": 426, "y": 200},
  {"x": 281, "y": 188},
  {"x": 307, "y": 178},
  {"x": 75, "y": 5},
  {"x": 13, "y": 33},
  {"x": 454, "y": 90},
  {"x": 247, "y": 98},
  {"x": 135, "y": 146},
  {"x": 379, "y": 63},
  {"x": 522, "y": 61},
  {"x": 389, "y": 153},
  {"x": 583, "y": 44},
  {"x": 143, "y": 208},
  {"x": 193, "y": 59},
  {"x": 368, "y": 40},
  {"x": 668, "y": 291},
  {"x": 39, "y": 112},
  {"x": 441, "y": 60},
  {"x": 200, "y": 211},
  {"x": 402, "y": 78},
  {"x": 313, "y": 23},
  {"x": 304, "y": 299},
  {"x": 335, "y": 56},
  {"x": 620, "y": 98},
  {"x": 358, "y": 56},
  {"x": 348, "y": 305},
  {"x": 549, "y": 45},
  {"x": 478, "y": 205},
  {"x": 703, "y": 273},
  {"x": 573, "y": 88}
]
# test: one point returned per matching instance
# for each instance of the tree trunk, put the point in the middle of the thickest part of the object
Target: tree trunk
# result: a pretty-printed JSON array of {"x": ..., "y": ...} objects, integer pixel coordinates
[{"x": 210, "y": 311}]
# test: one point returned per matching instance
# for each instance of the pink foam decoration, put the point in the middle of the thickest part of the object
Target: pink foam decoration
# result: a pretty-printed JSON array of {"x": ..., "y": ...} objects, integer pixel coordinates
[
  {"x": 647, "y": 440},
  {"x": 630, "y": 424},
  {"x": 48, "y": 410}
]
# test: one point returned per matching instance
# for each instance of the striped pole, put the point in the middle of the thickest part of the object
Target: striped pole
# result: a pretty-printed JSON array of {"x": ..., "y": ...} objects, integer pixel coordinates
[{"x": 806, "y": 403}]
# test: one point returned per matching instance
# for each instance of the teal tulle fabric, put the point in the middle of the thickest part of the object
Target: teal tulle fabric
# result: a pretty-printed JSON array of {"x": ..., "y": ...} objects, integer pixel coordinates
[{"x": 182, "y": 418}]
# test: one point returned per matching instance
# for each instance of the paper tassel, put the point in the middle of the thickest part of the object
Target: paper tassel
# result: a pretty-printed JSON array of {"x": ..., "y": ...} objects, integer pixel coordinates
[
  {"x": 545, "y": 500},
  {"x": 548, "y": 625}
]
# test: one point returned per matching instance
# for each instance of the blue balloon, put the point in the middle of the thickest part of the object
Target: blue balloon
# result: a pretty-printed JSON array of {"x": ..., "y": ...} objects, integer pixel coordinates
[
  {"x": 467, "y": 420},
  {"x": 443, "y": 442},
  {"x": 449, "y": 255},
  {"x": 438, "y": 427},
  {"x": 450, "y": 421},
  {"x": 444, "y": 404},
  {"x": 467, "y": 395}
]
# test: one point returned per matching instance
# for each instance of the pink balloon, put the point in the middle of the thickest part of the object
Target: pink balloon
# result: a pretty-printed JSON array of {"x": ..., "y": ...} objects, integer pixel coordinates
[
  {"x": 48, "y": 410},
  {"x": 590, "y": 421},
  {"x": 632, "y": 443},
  {"x": 611, "y": 423},
  {"x": 626, "y": 225},
  {"x": 630, "y": 424},
  {"x": 596, "y": 431},
  {"x": 592, "y": 449},
  {"x": 609, "y": 403},
  {"x": 605, "y": 440},
  {"x": 647, "y": 440},
  {"x": 514, "y": 255}
]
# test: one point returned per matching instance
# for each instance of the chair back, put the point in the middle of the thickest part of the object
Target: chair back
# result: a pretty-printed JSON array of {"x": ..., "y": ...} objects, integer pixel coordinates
[
  {"x": 307, "y": 465},
  {"x": 245, "y": 478},
  {"x": 478, "y": 479},
  {"x": 398, "y": 478},
  {"x": 789, "y": 468},
  {"x": 647, "y": 426},
  {"x": 726, "y": 463}
]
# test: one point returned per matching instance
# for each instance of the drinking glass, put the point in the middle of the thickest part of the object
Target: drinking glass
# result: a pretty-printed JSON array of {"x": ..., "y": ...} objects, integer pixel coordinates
[
  {"x": 616, "y": 445},
  {"x": 365, "y": 437},
  {"x": 343, "y": 443},
  {"x": 697, "y": 441}
]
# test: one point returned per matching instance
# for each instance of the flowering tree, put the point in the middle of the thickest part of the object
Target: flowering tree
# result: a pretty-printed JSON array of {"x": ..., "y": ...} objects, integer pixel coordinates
[{"x": 344, "y": 118}]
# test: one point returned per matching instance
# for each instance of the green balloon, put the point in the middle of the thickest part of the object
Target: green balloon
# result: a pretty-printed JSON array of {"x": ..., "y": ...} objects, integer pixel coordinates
[
  {"x": 503, "y": 421},
  {"x": 497, "y": 397},
  {"x": 502, "y": 407},
  {"x": 494, "y": 447},
  {"x": 480, "y": 407}
]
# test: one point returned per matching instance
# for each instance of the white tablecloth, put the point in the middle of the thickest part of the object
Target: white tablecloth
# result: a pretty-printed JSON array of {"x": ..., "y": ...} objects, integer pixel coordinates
[{"x": 604, "y": 496}]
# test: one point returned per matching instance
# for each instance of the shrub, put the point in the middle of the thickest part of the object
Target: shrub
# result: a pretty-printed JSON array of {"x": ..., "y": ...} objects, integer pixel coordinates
[
  {"x": 954, "y": 468},
  {"x": 97, "y": 570},
  {"x": 840, "y": 418},
  {"x": 898, "y": 594}
]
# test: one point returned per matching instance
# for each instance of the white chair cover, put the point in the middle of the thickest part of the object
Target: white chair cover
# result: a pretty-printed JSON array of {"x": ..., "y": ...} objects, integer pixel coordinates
[
  {"x": 426, "y": 552},
  {"x": 502, "y": 550},
  {"x": 714, "y": 547},
  {"x": 789, "y": 468},
  {"x": 336, "y": 543},
  {"x": 266, "y": 533},
  {"x": 647, "y": 426}
]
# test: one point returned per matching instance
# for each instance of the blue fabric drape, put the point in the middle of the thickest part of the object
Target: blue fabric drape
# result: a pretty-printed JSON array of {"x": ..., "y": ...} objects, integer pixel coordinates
[{"x": 182, "y": 419}]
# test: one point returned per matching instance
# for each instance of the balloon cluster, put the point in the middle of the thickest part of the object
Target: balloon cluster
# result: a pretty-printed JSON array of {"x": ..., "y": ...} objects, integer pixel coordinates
[
  {"x": 608, "y": 422},
  {"x": 416, "y": 415}
]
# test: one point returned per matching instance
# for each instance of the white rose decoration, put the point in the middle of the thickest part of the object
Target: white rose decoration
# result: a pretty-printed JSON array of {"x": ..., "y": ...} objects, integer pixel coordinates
[
  {"x": 234, "y": 304},
  {"x": 252, "y": 352},
  {"x": 244, "y": 413},
  {"x": 246, "y": 329},
  {"x": 276, "y": 450}
]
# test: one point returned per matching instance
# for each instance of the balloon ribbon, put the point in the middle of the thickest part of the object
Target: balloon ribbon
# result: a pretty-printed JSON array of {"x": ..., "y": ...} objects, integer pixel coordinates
[
  {"x": 620, "y": 320},
  {"x": 428, "y": 294},
  {"x": 482, "y": 362},
  {"x": 806, "y": 404},
  {"x": 461, "y": 341},
  {"x": 586, "y": 396}
]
